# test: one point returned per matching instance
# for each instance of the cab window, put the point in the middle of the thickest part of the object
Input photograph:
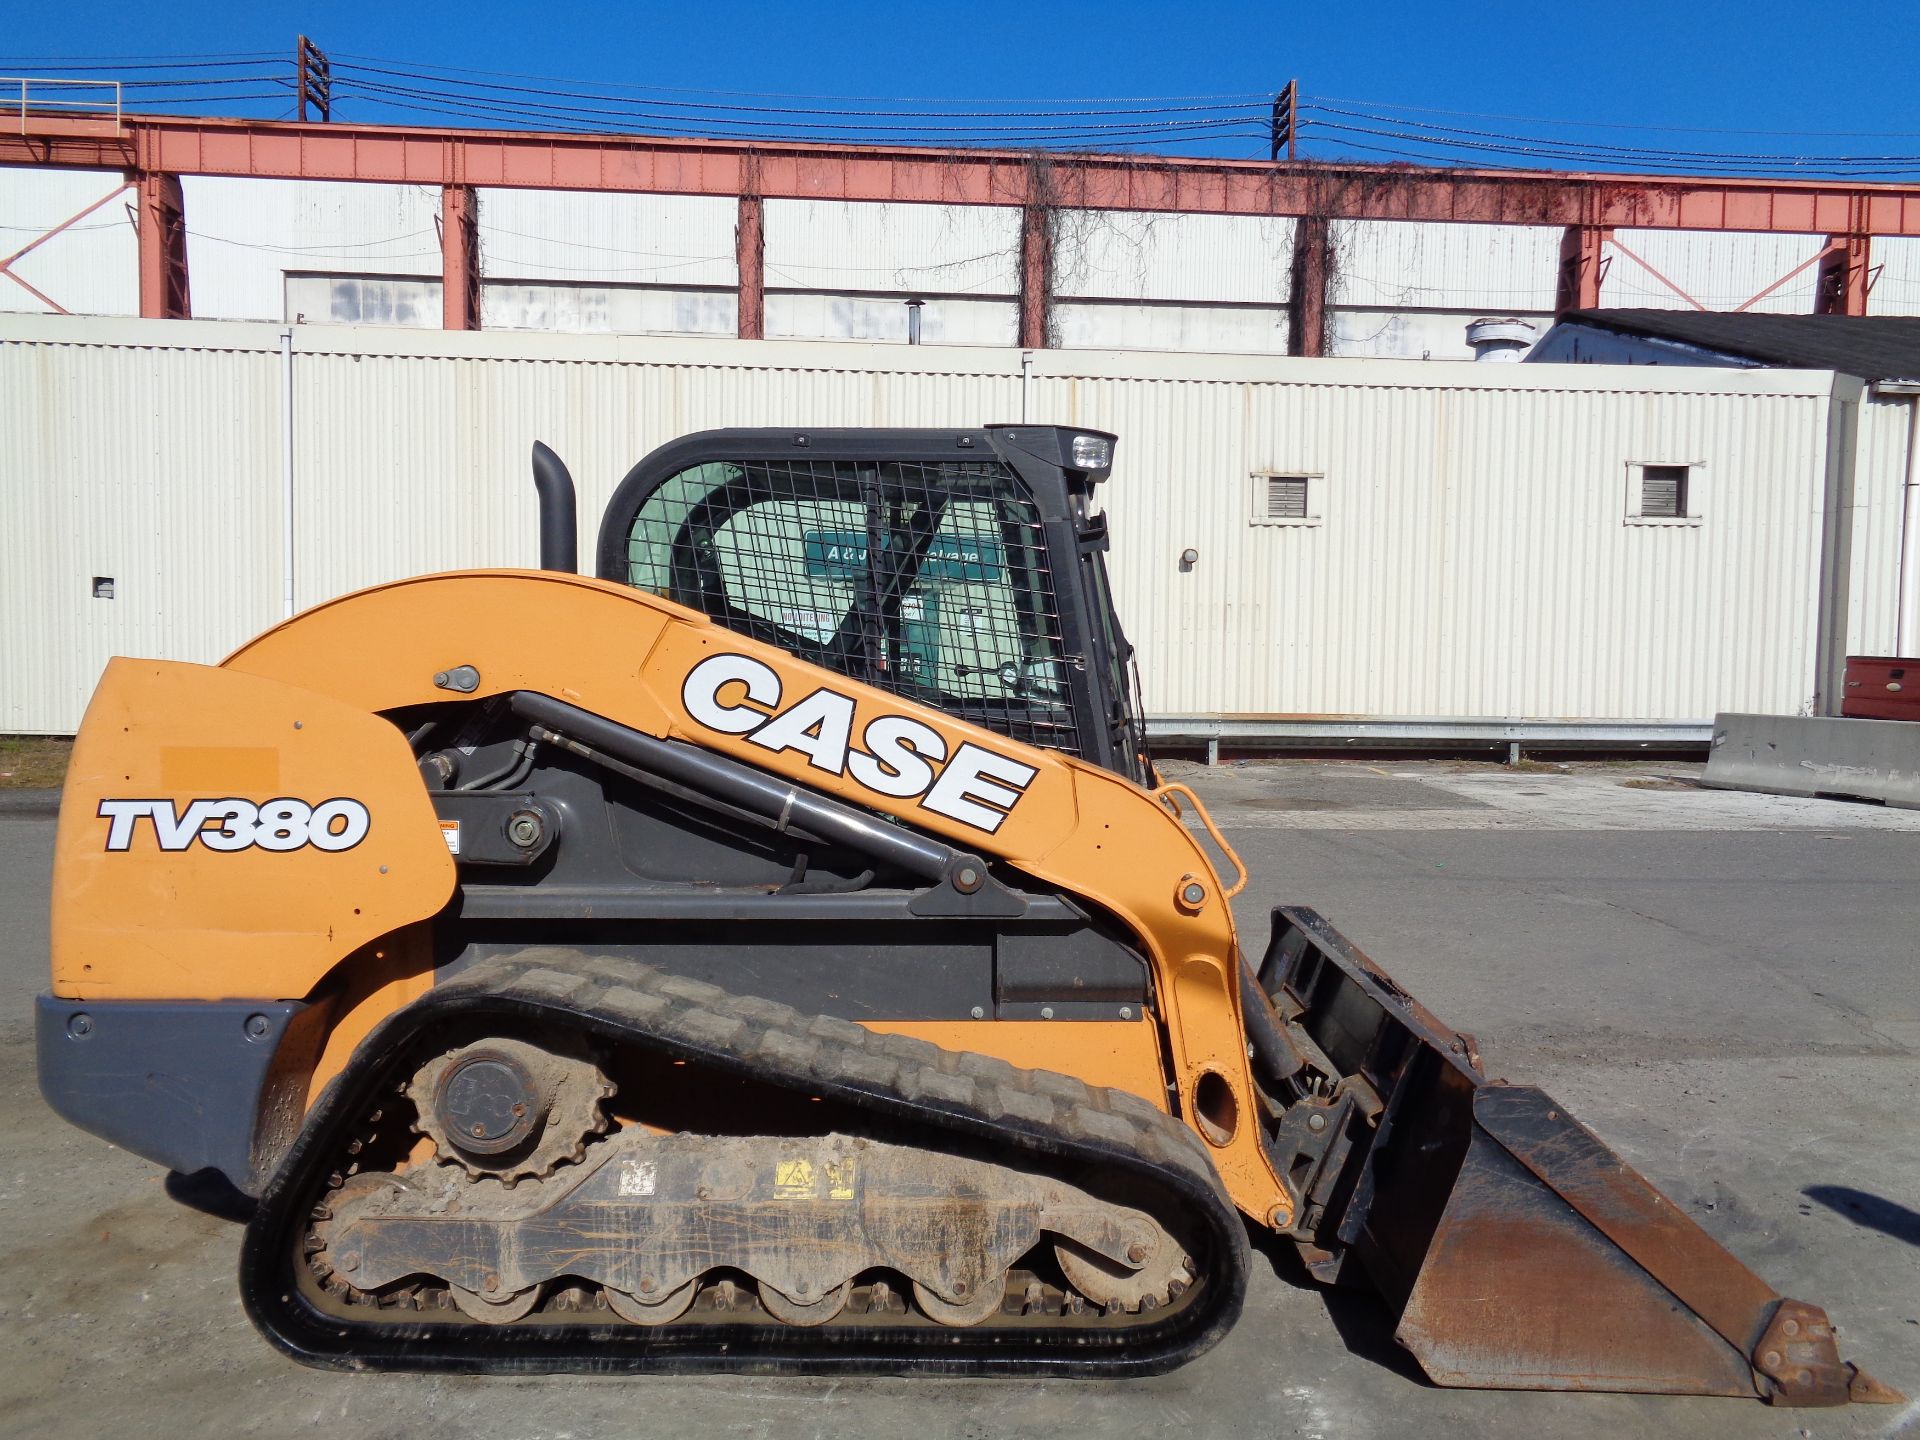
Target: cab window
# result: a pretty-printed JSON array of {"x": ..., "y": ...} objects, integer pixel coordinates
[{"x": 926, "y": 580}]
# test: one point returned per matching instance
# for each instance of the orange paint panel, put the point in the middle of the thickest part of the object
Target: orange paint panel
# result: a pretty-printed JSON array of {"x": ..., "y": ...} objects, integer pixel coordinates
[
  {"x": 397, "y": 974},
  {"x": 158, "y": 899},
  {"x": 219, "y": 769},
  {"x": 578, "y": 640}
]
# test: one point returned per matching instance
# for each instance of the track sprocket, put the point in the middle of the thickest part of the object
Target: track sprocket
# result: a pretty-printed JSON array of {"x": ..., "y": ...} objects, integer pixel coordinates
[{"x": 509, "y": 1109}]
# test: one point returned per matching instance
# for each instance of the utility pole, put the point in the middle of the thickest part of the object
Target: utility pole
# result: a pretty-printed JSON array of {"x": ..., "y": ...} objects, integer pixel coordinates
[
  {"x": 313, "y": 79},
  {"x": 1284, "y": 127}
]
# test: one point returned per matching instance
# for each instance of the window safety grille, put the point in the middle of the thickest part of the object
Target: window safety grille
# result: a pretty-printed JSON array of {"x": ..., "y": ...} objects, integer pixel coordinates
[
  {"x": 928, "y": 580},
  {"x": 1663, "y": 492}
]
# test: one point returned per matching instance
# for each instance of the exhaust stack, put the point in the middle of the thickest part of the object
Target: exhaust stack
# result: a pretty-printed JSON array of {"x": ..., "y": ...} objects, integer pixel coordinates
[{"x": 559, "y": 531}]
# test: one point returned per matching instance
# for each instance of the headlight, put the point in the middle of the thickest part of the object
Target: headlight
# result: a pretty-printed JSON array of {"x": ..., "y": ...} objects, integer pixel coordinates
[{"x": 1092, "y": 452}]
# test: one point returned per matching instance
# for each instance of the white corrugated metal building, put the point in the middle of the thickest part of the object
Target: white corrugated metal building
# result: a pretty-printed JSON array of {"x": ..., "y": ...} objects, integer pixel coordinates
[
  {"x": 1377, "y": 543},
  {"x": 590, "y": 262}
]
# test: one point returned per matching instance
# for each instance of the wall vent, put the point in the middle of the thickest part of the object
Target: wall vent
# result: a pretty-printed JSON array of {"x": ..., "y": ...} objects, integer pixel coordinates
[
  {"x": 1286, "y": 499},
  {"x": 1663, "y": 492}
]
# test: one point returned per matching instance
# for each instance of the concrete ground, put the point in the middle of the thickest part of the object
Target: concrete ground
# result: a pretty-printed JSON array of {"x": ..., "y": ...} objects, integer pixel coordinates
[{"x": 1726, "y": 987}]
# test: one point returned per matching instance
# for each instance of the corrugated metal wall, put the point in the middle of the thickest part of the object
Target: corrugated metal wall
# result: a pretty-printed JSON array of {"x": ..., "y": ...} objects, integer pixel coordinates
[
  {"x": 155, "y": 468},
  {"x": 1131, "y": 280},
  {"x": 1873, "y": 597},
  {"x": 575, "y": 235},
  {"x": 1135, "y": 255},
  {"x": 1500, "y": 269},
  {"x": 90, "y": 268},
  {"x": 244, "y": 236},
  {"x": 1896, "y": 289},
  {"x": 892, "y": 249},
  {"x": 431, "y": 472},
  {"x": 843, "y": 270},
  {"x": 1471, "y": 558},
  {"x": 1711, "y": 270},
  {"x": 590, "y": 262},
  {"x": 1402, "y": 289}
]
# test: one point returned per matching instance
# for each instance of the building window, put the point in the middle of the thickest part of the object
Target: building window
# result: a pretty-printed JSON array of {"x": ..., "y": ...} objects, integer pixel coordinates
[
  {"x": 1663, "y": 494},
  {"x": 1286, "y": 499},
  {"x": 404, "y": 300},
  {"x": 607, "y": 309}
]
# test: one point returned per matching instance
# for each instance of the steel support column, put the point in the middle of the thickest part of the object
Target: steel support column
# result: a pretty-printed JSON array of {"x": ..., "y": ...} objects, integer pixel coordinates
[
  {"x": 164, "y": 291},
  {"x": 1036, "y": 277},
  {"x": 1844, "y": 276},
  {"x": 459, "y": 258},
  {"x": 750, "y": 251},
  {"x": 1582, "y": 263},
  {"x": 1307, "y": 302}
]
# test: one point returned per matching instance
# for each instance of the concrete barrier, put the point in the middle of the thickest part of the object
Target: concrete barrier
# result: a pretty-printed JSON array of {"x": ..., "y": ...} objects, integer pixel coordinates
[{"x": 1796, "y": 755}]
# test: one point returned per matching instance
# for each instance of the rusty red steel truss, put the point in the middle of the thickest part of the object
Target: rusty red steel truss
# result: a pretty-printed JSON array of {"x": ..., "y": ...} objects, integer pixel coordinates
[{"x": 153, "y": 151}]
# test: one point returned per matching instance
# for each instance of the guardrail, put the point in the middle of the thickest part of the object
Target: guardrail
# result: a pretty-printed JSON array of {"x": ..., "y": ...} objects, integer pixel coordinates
[
  {"x": 32, "y": 104},
  {"x": 1274, "y": 734}
]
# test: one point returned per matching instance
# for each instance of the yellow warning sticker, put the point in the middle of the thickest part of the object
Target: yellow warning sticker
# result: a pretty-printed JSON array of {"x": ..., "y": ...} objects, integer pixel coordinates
[
  {"x": 840, "y": 1180},
  {"x": 802, "y": 1179},
  {"x": 794, "y": 1180}
]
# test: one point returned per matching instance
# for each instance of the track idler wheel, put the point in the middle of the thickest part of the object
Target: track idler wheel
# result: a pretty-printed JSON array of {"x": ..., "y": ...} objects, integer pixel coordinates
[
  {"x": 496, "y": 1310},
  {"x": 646, "y": 1310},
  {"x": 804, "y": 1313},
  {"x": 969, "y": 1309}
]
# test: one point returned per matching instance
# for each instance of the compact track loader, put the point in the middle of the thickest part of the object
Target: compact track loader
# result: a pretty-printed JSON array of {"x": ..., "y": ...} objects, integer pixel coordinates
[{"x": 777, "y": 953}]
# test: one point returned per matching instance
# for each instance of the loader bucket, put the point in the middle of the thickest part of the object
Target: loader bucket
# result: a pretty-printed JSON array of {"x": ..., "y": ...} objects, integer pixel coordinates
[{"x": 1515, "y": 1249}]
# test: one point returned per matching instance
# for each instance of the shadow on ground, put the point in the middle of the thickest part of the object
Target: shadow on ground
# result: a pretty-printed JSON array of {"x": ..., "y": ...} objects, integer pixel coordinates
[
  {"x": 1359, "y": 1316},
  {"x": 1869, "y": 1210},
  {"x": 211, "y": 1193}
]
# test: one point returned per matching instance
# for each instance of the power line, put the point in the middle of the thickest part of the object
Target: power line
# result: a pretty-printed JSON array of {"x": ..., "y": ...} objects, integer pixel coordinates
[
  {"x": 499, "y": 98},
  {"x": 43, "y": 63},
  {"x": 634, "y": 106},
  {"x": 1623, "y": 151},
  {"x": 572, "y": 116},
  {"x": 785, "y": 95},
  {"x": 1623, "y": 125},
  {"x": 1460, "y": 151}
]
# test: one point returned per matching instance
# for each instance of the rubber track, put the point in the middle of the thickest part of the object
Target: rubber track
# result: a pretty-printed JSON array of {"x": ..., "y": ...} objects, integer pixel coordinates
[{"x": 1056, "y": 1119}]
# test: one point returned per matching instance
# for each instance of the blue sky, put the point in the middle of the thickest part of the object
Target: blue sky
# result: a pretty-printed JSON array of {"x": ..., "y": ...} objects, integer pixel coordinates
[{"x": 1681, "y": 70}]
